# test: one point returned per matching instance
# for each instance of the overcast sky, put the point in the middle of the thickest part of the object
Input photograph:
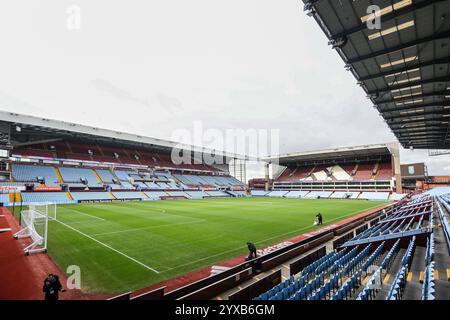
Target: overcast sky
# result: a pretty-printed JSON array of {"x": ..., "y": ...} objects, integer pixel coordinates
[{"x": 153, "y": 67}]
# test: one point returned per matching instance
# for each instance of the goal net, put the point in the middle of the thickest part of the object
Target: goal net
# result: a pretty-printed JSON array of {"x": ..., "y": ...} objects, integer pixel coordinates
[
  {"x": 46, "y": 209},
  {"x": 34, "y": 223}
]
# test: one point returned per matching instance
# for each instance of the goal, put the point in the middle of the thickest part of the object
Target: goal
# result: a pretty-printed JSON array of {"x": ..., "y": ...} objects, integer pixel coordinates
[
  {"x": 45, "y": 208},
  {"x": 34, "y": 223}
]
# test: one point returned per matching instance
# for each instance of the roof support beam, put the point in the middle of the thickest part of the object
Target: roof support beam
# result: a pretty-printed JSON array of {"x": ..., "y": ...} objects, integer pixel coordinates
[
  {"x": 394, "y": 14},
  {"x": 404, "y": 69},
  {"x": 423, "y": 95},
  {"x": 415, "y": 106},
  {"x": 375, "y": 54},
  {"x": 425, "y": 112},
  {"x": 426, "y": 123},
  {"x": 410, "y": 84},
  {"x": 419, "y": 133},
  {"x": 420, "y": 138},
  {"x": 404, "y": 128},
  {"x": 30, "y": 143},
  {"x": 437, "y": 118},
  {"x": 398, "y": 128},
  {"x": 422, "y": 130}
]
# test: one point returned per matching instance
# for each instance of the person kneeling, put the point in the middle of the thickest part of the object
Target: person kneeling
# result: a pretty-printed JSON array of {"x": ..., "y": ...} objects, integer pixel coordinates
[{"x": 252, "y": 248}]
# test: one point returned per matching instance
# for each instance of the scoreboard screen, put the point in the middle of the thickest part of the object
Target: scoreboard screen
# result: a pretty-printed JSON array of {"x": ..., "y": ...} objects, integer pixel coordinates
[{"x": 413, "y": 170}]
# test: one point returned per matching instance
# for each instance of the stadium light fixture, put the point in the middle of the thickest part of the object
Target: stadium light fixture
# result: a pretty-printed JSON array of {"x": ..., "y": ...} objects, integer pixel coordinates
[
  {"x": 393, "y": 29},
  {"x": 338, "y": 42},
  {"x": 309, "y": 9},
  {"x": 403, "y": 81},
  {"x": 18, "y": 129},
  {"x": 397, "y": 62},
  {"x": 401, "y": 73},
  {"x": 408, "y": 95}
]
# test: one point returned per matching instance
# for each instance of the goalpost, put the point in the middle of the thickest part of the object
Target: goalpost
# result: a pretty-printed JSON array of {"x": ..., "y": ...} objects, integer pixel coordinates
[{"x": 34, "y": 223}]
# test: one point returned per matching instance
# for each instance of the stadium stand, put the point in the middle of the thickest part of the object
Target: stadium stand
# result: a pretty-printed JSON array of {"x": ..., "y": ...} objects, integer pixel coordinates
[
  {"x": 375, "y": 196},
  {"x": 106, "y": 175},
  {"x": 341, "y": 195},
  {"x": 365, "y": 173},
  {"x": 318, "y": 194},
  {"x": 34, "y": 173},
  {"x": 77, "y": 175},
  {"x": 129, "y": 195},
  {"x": 296, "y": 194},
  {"x": 217, "y": 194},
  {"x": 155, "y": 195},
  {"x": 196, "y": 194},
  {"x": 79, "y": 169},
  {"x": 356, "y": 269},
  {"x": 178, "y": 194},
  {"x": 277, "y": 194},
  {"x": 91, "y": 195},
  {"x": 258, "y": 193},
  {"x": 56, "y": 197},
  {"x": 4, "y": 197}
]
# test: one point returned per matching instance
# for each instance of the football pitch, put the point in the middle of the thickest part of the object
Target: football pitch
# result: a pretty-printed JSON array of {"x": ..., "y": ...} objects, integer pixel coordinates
[{"x": 129, "y": 245}]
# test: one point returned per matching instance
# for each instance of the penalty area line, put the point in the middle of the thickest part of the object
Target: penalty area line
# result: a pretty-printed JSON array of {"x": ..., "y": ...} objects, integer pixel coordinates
[
  {"x": 109, "y": 247},
  {"x": 86, "y": 214}
]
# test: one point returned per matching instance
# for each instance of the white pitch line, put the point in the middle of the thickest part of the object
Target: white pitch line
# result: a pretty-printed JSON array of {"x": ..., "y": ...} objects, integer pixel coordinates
[
  {"x": 149, "y": 228},
  {"x": 109, "y": 247},
  {"x": 86, "y": 214}
]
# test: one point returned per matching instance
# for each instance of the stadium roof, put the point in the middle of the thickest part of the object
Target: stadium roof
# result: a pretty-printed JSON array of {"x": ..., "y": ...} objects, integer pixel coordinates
[
  {"x": 403, "y": 67},
  {"x": 39, "y": 130},
  {"x": 337, "y": 154}
]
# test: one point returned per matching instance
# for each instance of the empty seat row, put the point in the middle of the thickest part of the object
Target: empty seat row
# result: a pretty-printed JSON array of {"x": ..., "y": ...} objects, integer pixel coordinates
[
  {"x": 56, "y": 197},
  {"x": 444, "y": 221},
  {"x": 397, "y": 288},
  {"x": 80, "y": 175},
  {"x": 129, "y": 195},
  {"x": 80, "y": 196},
  {"x": 428, "y": 289},
  {"x": 33, "y": 173}
]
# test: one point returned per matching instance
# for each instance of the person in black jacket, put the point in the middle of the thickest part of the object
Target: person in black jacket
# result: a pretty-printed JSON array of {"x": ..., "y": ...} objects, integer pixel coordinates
[
  {"x": 252, "y": 248},
  {"x": 319, "y": 218},
  {"x": 52, "y": 287}
]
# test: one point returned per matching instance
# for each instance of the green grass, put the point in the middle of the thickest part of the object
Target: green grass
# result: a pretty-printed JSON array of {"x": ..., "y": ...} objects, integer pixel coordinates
[{"x": 175, "y": 237}]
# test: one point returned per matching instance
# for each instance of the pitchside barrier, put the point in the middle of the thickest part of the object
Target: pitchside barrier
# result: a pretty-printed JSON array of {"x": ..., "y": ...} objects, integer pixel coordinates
[
  {"x": 295, "y": 252},
  {"x": 361, "y": 229},
  {"x": 340, "y": 241},
  {"x": 156, "y": 294},
  {"x": 255, "y": 289},
  {"x": 220, "y": 286},
  {"x": 209, "y": 287}
]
